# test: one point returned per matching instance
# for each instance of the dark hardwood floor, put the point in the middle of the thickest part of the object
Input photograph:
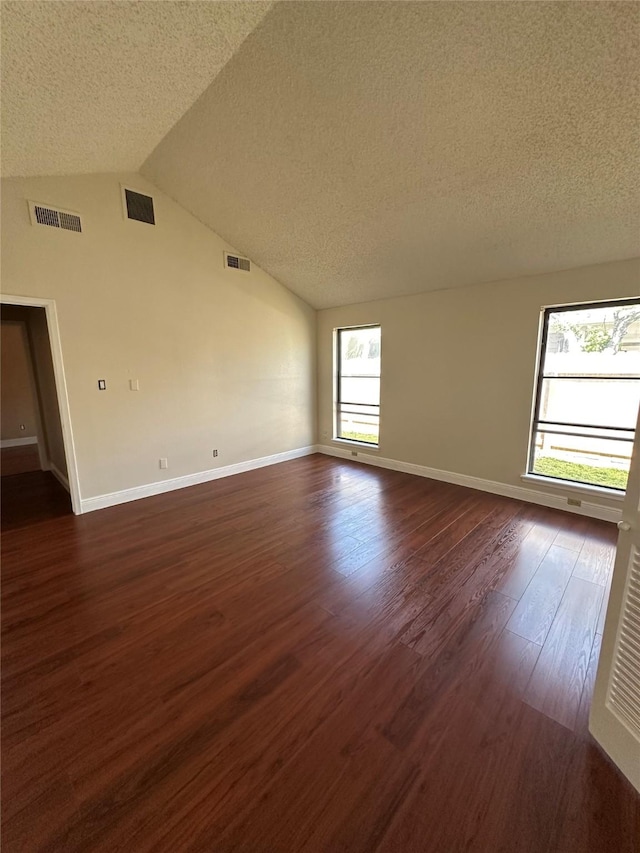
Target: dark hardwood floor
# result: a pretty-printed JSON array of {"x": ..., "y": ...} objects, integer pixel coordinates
[
  {"x": 19, "y": 460},
  {"x": 315, "y": 656}
]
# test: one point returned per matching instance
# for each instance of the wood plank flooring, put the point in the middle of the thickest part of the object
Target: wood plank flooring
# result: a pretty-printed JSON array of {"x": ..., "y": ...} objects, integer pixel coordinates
[
  {"x": 315, "y": 656},
  {"x": 19, "y": 460}
]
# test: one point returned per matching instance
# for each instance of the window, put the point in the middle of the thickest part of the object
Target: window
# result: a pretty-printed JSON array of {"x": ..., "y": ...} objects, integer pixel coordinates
[
  {"x": 357, "y": 397},
  {"x": 587, "y": 393}
]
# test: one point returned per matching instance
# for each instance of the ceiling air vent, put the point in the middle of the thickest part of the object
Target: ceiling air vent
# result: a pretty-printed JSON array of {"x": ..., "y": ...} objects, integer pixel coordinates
[
  {"x": 43, "y": 214},
  {"x": 235, "y": 262},
  {"x": 138, "y": 206}
]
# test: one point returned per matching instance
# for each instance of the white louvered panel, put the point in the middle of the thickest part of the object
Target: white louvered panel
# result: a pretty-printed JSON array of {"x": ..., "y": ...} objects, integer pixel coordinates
[{"x": 624, "y": 689}]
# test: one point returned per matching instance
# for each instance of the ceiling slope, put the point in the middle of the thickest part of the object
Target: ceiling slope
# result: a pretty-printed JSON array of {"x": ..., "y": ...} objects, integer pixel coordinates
[
  {"x": 364, "y": 150},
  {"x": 94, "y": 86}
]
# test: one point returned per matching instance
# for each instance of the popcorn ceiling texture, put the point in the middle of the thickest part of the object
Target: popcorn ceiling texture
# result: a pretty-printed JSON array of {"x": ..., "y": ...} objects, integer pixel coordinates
[
  {"x": 94, "y": 86},
  {"x": 366, "y": 150},
  {"x": 355, "y": 151}
]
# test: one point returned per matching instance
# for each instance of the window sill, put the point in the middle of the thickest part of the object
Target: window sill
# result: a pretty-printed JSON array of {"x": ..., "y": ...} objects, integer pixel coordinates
[
  {"x": 575, "y": 488},
  {"x": 350, "y": 442}
]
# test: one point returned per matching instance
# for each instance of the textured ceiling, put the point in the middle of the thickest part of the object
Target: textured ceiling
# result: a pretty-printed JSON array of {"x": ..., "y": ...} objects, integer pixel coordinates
[
  {"x": 94, "y": 86},
  {"x": 353, "y": 150},
  {"x": 364, "y": 150}
]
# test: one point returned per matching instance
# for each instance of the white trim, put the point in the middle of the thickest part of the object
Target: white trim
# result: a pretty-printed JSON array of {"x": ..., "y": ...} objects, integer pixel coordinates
[
  {"x": 158, "y": 488},
  {"x": 60, "y": 477},
  {"x": 19, "y": 442},
  {"x": 578, "y": 488},
  {"x": 520, "y": 493},
  {"x": 534, "y": 394},
  {"x": 61, "y": 388},
  {"x": 352, "y": 442}
]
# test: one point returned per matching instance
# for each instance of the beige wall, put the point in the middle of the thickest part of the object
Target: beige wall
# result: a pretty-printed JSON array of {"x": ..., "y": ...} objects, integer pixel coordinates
[
  {"x": 458, "y": 367},
  {"x": 46, "y": 388},
  {"x": 17, "y": 401},
  {"x": 224, "y": 359}
]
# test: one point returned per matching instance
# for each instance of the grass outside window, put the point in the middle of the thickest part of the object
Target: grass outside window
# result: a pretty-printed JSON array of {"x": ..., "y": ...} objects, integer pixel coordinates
[{"x": 609, "y": 478}]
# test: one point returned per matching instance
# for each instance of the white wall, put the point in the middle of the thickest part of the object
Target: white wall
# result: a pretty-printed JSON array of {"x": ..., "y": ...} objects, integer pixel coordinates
[
  {"x": 458, "y": 368},
  {"x": 224, "y": 359}
]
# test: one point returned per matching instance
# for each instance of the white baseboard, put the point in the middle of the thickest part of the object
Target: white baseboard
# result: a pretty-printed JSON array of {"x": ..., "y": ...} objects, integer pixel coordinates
[
  {"x": 18, "y": 442},
  {"x": 146, "y": 491},
  {"x": 60, "y": 477},
  {"x": 593, "y": 510}
]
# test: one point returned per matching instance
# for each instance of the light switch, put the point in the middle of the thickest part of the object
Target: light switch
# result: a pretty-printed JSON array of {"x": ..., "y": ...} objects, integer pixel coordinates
[
  {"x": 102, "y": 384},
  {"x": 134, "y": 385}
]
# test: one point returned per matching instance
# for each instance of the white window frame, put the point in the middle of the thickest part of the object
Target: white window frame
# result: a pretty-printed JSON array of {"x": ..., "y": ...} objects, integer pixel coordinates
[{"x": 337, "y": 402}]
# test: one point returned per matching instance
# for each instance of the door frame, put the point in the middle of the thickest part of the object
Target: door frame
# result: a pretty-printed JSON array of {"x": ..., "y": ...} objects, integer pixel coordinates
[{"x": 51, "y": 315}]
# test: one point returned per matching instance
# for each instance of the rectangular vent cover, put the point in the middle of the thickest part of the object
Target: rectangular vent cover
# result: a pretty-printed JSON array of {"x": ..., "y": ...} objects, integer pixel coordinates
[
  {"x": 44, "y": 215},
  {"x": 237, "y": 263},
  {"x": 139, "y": 206}
]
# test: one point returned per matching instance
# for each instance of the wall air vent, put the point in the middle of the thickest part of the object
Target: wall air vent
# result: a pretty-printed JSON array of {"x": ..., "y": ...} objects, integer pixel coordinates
[
  {"x": 138, "y": 206},
  {"x": 44, "y": 214},
  {"x": 235, "y": 262}
]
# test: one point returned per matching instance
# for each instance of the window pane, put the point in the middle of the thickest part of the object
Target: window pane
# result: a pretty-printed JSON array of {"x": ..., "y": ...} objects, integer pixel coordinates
[
  {"x": 588, "y": 394},
  {"x": 360, "y": 390},
  {"x": 359, "y": 427},
  {"x": 596, "y": 461},
  {"x": 358, "y": 384},
  {"x": 593, "y": 342},
  {"x": 590, "y": 401},
  {"x": 360, "y": 352}
]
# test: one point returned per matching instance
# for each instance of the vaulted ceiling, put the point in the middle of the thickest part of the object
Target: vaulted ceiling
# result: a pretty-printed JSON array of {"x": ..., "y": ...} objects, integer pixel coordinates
[
  {"x": 353, "y": 150},
  {"x": 95, "y": 86}
]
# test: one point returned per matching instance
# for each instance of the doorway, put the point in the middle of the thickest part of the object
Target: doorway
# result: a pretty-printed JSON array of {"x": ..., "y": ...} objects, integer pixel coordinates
[{"x": 38, "y": 463}]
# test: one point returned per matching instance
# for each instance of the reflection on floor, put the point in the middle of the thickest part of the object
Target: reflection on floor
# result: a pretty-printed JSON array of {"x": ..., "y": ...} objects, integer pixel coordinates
[{"x": 316, "y": 656}]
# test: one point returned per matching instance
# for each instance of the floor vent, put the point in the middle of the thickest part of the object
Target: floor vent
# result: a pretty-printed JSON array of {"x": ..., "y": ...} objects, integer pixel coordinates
[
  {"x": 42, "y": 214},
  {"x": 138, "y": 206},
  {"x": 235, "y": 262}
]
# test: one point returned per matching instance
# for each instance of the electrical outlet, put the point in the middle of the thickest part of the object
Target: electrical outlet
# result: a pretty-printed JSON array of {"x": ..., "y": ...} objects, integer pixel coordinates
[
  {"x": 574, "y": 502},
  {"x": 164, "y": 463},
  {"x": 215, "y": 452}
]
